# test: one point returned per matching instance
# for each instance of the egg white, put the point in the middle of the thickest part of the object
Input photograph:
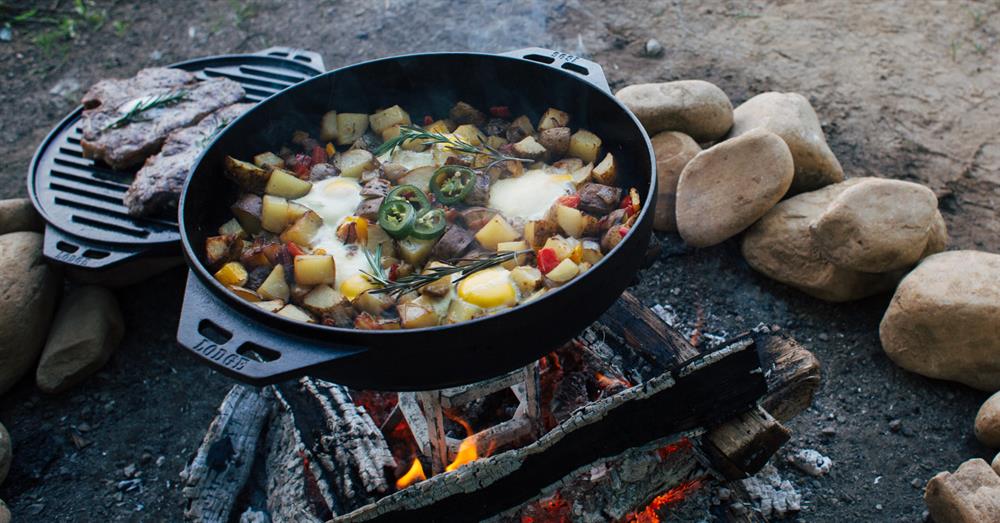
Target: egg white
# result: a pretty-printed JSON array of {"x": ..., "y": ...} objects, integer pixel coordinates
[
  {"x": 529, "y": 196},
  {"x": 333, "y": 200}
]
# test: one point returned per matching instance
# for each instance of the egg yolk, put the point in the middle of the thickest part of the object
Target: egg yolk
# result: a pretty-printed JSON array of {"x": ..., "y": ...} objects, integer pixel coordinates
[{"x": 488, "y": 288}]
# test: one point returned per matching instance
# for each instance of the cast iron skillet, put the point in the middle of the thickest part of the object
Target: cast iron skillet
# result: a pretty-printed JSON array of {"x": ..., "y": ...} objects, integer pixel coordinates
[{"x": 226, "y": 332}]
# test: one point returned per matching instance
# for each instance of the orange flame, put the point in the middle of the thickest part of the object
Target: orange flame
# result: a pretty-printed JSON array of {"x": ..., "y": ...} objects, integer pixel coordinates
[
  {"x": 606, "y": 382},
  {"x": 666, "y": 450},
  {"x": 415, "y": 474},
  {"x": 467, "y": 452},
  {"x": 670, "y": 497}
]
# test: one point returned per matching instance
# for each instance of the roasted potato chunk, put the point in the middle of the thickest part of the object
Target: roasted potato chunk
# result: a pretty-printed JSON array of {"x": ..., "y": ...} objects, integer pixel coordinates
[
  {"x": 519, "y": 129},
  {"x": 564, "y": 272},
  {"x": 294, "y": 313},
  {"x": 463, "y": 113},
  {"x": 387, "y": 118},
  {"x": 303, "y": 230},
  {"x": 248, "y": 210},
  {"x": 354, "y": 162},
  {"x": 328, "y": 126},
  {"x": 529, "y": 148},
  {"x": 315, "y": 269},
  {"x": 220, "y": 249},
  {"x": 469, "y": 133},
  {"x": 570, "y": 220},
  {"x": 232, "y": 227},
  {"x": 606, "y": 171},
  {"x": 274, "y": 214},
  {"x": 537, "y": 232},
  {"x": 584, "y": 145},
  {"x": 553, "y": 118},
  {"x": 232, "y": 274},
  {"x": 555, "y": 141},
  {"x": 527, "y": 279},
  {"x": 414, "y": 316},
  {"x": 414, "y": 251},
  {"x": 495, "y": 231},
  {"x": 275, "y": 287},
  {"x": 322, "y": 299},
  {"x": 247, "y": 176},
  {"x": 287, "y": 185},
  {"x": 268, "y": 161},
  {"x": 350, "y": 127}
]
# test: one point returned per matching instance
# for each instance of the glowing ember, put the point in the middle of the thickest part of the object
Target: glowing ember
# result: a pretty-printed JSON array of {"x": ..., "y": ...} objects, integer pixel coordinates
[
  {"x": 666, "y": 450},
  {"x": 467, "y": 452},
  {"x": 606, "y": 382},
  {"x": 553, "y": 509},
  {"x": 415, "y": 474},
  {"x": 670, "y": 497}
]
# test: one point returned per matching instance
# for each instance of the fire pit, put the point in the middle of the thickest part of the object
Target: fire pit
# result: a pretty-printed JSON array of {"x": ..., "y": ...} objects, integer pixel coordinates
[{"x": 627, "y": 418}]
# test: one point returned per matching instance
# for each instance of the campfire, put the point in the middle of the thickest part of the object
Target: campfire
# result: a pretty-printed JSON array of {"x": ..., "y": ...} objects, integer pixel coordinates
[{"x": 622, "y": 423}]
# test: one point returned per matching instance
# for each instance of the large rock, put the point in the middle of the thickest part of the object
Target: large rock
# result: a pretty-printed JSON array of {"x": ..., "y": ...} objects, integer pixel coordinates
[
  {"x": 85, "y": 333},
  {"x": 726, "y": 188},
  {"x": 790, "y": 116},
  {"x": 5, "y": 453},
  {"x": 944, "y": 320},
  {"x": 876, "y": 225},
  {"x": 694, "y": 107},
  {"x": 19, "y": 215},
  {"x": 673, "y": 151},
  {"x": 4, "y": 513},
  {"x": 969, "y": 495},
  {"x": 996, "y": 463},
  {"x": 28, "y": 289},
  {"x": 988, "y": 422},
  {"x": 781, "y": 247}
]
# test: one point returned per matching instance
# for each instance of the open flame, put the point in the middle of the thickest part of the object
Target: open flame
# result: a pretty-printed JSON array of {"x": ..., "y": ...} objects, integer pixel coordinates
[
  {"x": 467, "y": 452},
  {"x": 650, "y": 514},
  {"x": 415, "y": 474},
  {"x": 607, "y": 382}
]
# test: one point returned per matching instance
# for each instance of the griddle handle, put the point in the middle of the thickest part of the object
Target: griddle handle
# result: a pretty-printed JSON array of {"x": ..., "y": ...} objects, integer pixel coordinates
[
  {"x": 589, "y": 71},
  {"x": 76, "y": 252},
  {"x": 242, "y": 348}
]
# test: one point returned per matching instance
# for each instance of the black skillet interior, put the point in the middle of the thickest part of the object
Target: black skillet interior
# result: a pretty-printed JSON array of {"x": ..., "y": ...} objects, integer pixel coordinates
[{"x": 427, "y": 84}]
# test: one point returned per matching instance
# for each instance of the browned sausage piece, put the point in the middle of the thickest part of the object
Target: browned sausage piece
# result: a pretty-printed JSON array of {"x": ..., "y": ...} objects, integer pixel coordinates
[
  {"x": 599, "y": 199},
  {"x": 453, "y": 243},
  {"x": 369, "y": 209}
]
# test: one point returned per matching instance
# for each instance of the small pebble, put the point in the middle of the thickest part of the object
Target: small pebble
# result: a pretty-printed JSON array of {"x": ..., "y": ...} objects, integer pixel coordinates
[
  {"x": 83, "y": 427},
  {"x": 895, "y": 425},
  {"x": 146, "y": 458},
  {"x": 824, "y": 336},
  {"x": 160, "y": 461},
  {"x": 6, "y": 34},
  {"x": 130, "y": 470},
  {"x": 878, "y": 506},
  {"x": 916, "y": 483},
  {"x": 829, "y": 431},
  {"x": 653, "y": 48}
]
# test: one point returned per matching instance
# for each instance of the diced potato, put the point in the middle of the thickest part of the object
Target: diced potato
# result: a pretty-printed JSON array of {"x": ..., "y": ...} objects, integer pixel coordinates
[
  {"x": 295, "y": 211},
  {"x": 328, "y": 127},
  {"x": 555, "y": 141},
  {"x": 315, "y": 269},
  {"x": 303, "y": 230},
  {"x": 564, "y": 272},
  {"x": 584, "y": 266},
  {"x": 440, "y": 286},
  {"x": 247, "y": 210},
  {"x": 605, "y": 172},
  {"x": 526, "y": 278},
  {"x": 536, "y": 232},
  {"x": 463, "y": 112},
  {"x": 350, "y": 127},
  {"x": 268, "y": 161},
  {"x": 519, "y": 128},
  {"x": 496, "y": 141},
  {"x": 582, "y": 175},
  {"x": 354, "y": 162},
  {"x": 322, "y": 299},
  {"x": 570, "y": 220},
  {"x": 232, "y": 227},
  {"x": 440, "y": 126},
  {"x": 529, "y": 148},
  {"x": 298, "y": 292},
  {"x": 248, "y": 176},
  {"x": 372, "y": 303},
  {"x": 275, "y": 287},
  {"x": 460, "y": 310},
  {"x": 383, "y": 120},
  {"x": 352, "y": 287},
  {"x": 591, "y": 227},
  {"x": 219, "y": 249},
  {"x": 568, "y": 164},
  {"x": 415, "y": 316},
  {"x": 495, "y": 231},
  {"x": 584, "y": 145},
  {"x": 285, "y": 184},
  {"x": 507, "y": 169},
  {"x": 245, "y": 293},
  {"x": 553, "y": 118},
  {"x": 561, "y": 247},
  {"x": 520, "y": 259},
  {"x": 538, "y": 294},
  {"x": 232, "y": 274},
  {"x": 377, "y": 236},
  {"x": 419, "y": 177},
  {"x": 469, "y": 133},
  {"x": 294, "y": 313},
  {"x": 274, "y": 214},
  {"x": 271, "y": 305},
  {"x": 414, "y": 251},
  {"x": 591, "y": 251}
]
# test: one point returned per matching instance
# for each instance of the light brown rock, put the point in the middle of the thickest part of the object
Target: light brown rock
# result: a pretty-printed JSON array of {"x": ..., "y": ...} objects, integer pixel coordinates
[
  {"x": 673, "y": 151},
  {"x": 944, "y": 320},
  {"x": 4, "y": 513},
  {"x": 780, "y": 247},
  {"x": 696, "y": 108},
  {"x": 790, "y": 116},
  {"x": 85, "y": 333},
  {"x": 937, "y": 239},
  {"x": 5, "y": 453},
  {"x": 969, "y": 495},
  {"x": 876, "y": 225},
  {"x": 28, "y": 289},
  {"x": 996, "y": 463},
  {"x": 726, "y": 188},
  {"x": 18, "y": 214},
  {"x": 988, "y": 422}
]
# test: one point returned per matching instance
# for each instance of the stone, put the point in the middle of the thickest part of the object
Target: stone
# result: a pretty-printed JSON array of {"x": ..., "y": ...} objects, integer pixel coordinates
[
  {"x": 5, "y": 516},
  {"x": 944, "y": 320},
  {"x": 996, "y": 463},
  {"x": 728, "y": 187},
  {"x": 969, "y": 495},
  {"x": 811, "y": 462},
  {"x": 5, "y": 453},
  {"x": 85, "y": 333},
  {"x": 790, "y": 116},
  {"x": 876, "y": 225},
  {"x": 988, "y": 422},
  {"x": 653, "y": 48},
  {"x": 18, "y": 214},
  {"x": 696, "y": 108},
  {"x": 781, "y": 247},
  {"x": 28, "y": 296},
  {"x": 673, "y": 151}
]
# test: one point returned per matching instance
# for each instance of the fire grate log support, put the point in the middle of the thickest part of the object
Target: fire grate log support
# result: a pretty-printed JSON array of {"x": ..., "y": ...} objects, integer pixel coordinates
[{"x": 690, "y": 416}]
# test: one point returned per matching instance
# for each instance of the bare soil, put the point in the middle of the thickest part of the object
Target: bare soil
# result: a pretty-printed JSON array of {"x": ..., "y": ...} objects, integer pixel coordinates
[{"x": 904, "y": 89}]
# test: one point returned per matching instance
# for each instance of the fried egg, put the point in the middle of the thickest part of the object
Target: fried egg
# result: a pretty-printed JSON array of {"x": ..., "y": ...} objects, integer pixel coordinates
[
  {"x": 333, "y": 200},
  {"x": 531, "y": 195}
]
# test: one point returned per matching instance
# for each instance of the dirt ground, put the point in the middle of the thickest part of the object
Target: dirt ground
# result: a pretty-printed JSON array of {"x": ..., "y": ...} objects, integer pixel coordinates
[{"x": 905, "y": 89}]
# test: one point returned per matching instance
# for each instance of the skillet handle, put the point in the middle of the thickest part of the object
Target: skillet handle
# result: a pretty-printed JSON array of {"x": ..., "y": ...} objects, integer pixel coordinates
[
  {"x": 223, "y": 338},
  {"x": 589, "y": 71}
]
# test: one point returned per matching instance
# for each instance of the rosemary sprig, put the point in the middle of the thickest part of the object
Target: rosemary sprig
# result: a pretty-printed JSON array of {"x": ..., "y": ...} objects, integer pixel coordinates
[
  {"x": 210, "y": 136},
  {"x": 409, "y": 132},
  {"x": 160, "y": 100},
  {"x": 415, "y": 282}
]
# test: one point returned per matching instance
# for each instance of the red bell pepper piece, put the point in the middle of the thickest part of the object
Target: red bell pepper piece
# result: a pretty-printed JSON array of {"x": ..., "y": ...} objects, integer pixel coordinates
[
  {"x": 500, "y": 111},
  {"x": 547, "y": 260},
  {"x": 318, "y": 155},
  {"x": 623, "y": 230},
  {"x": 428, "y": 120},
  {"x": 393, "y": 272},
  {"x": 294, "y": 249},
  {"x": 570, "y": 200}
]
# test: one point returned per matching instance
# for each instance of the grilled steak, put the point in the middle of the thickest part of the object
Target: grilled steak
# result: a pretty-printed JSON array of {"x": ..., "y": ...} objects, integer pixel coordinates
[
  {"x": 157, "y": 186},
  {"x": 123, "y": 143}
]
